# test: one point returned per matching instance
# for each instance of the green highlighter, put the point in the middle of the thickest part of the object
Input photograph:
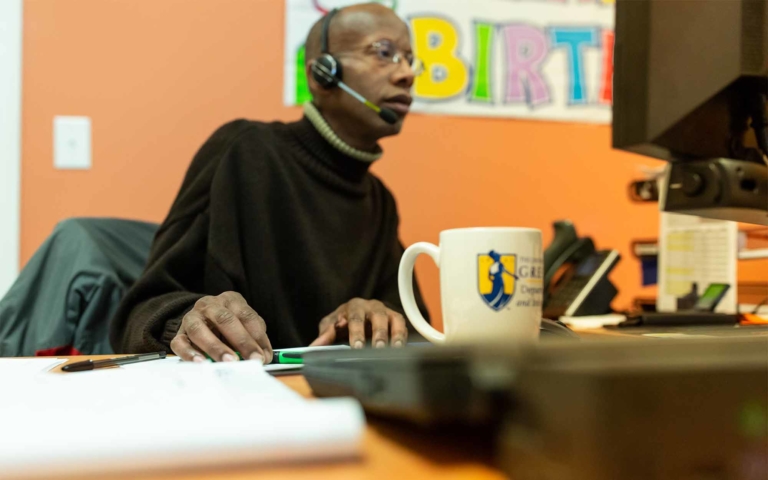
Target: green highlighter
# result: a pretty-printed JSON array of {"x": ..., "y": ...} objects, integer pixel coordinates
[
  {"x": 278, "y": 358},
  {"x": 288, "y": 358}
]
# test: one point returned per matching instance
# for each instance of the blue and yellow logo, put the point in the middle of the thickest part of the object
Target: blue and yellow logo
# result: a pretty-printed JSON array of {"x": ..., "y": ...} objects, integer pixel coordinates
[{"x": 496, "y": 278}]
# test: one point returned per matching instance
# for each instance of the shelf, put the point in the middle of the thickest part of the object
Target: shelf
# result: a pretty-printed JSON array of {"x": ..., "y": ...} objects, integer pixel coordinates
[{"x": 753, "y": 254}]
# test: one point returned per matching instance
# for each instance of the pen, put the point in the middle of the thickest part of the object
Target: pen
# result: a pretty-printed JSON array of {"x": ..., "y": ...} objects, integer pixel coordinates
[{"x": 112, "y": 362}]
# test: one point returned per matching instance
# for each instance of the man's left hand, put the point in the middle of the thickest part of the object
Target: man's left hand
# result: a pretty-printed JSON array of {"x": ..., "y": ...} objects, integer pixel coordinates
[{"x": 358, "y": 316}]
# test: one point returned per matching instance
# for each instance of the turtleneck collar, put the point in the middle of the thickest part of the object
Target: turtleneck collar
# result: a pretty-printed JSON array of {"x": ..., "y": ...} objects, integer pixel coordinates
[
  {"x": 322, "y": 126},
  {"x": 324, "y": 159}
]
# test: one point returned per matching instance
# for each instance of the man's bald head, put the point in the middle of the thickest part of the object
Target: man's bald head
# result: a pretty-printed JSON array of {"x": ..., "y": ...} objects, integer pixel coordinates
[{"x": 349, "y": 26}]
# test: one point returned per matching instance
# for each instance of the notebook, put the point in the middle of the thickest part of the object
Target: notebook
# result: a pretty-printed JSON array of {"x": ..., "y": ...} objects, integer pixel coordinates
[{"x": 120, "y": 420}]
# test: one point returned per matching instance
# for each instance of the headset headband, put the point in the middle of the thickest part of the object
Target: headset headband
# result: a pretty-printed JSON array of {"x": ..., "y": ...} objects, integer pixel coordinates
[{"x": 326, "y": 28}]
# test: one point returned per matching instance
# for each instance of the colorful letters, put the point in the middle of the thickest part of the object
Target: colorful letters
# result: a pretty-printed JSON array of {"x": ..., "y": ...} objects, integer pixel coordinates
[
  {"x": 574, "y": 40},
  {"x": 303, "y": 94},
  {"x": 436, "y": 42},
  {"x": 482, "y": 90},
  {"x": 526, "y": 50},
  {"x": 606, "y": 87}
]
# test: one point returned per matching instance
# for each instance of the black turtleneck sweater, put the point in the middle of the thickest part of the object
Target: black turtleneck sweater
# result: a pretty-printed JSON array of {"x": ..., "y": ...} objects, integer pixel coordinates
[{"x": 274, "y": 212}]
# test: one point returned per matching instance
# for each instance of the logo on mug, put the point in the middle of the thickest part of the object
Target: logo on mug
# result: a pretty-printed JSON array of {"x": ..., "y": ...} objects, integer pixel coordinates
[{"x": 496, "y": 278}]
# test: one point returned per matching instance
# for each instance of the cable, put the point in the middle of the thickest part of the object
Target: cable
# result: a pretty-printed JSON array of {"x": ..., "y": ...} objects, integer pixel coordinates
[
  {"x": 765, "y": 159},
  {"x": 756, "y": 108},
  {"x": 759, "y": 305}
]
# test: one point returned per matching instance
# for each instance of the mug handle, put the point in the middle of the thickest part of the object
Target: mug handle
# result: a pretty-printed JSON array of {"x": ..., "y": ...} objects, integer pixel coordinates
[{"x": 405, "y": 284}]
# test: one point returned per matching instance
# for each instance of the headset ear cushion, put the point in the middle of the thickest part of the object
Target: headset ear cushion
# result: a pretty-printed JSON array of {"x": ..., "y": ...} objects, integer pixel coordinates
[
  {"x": 339, "y": 70},
  {"x": 321, "y": 68}
]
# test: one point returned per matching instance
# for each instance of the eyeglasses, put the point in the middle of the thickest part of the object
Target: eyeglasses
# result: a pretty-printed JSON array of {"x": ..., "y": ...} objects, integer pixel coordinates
[{"x": 387, "y": 54}]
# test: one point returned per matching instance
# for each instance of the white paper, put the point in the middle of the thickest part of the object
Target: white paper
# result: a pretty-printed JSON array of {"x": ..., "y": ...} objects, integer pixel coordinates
[
  {"x": 183, "y": 415},
  {"x": 594, "y": 321},
  {"x": 28, "y": 366},
  {"x": 172, "y": 361},
  {"x": 695, "y": 249},
  {"x": 315, "y": 349},
  {"x": 164, "y": 364}
]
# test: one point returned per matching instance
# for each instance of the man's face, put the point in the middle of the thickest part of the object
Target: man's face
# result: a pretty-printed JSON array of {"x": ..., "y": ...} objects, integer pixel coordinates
[{"x": 367, "y": 56}]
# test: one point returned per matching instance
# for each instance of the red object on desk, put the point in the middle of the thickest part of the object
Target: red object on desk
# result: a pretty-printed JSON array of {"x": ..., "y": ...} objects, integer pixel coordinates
[
  {"x": 65, "y": 351},
  {"x": 752, "y": 319}
]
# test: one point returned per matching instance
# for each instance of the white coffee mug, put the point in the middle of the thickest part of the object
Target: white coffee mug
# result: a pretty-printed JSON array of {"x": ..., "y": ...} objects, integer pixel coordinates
[{"x": 491, "y": 282}]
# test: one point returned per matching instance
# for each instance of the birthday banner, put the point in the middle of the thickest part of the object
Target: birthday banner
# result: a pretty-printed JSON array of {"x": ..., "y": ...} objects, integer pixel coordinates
[{"x": 539, "y": 59}]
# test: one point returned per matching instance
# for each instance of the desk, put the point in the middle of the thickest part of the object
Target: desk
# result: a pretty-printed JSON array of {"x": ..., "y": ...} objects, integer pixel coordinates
[{"x": 389, "y": 451}]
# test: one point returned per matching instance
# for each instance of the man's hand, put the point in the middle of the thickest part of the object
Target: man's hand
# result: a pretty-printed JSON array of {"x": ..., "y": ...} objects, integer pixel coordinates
[
  {"x": 357, "y": 314},
  {"x": 219, "y": 326}
]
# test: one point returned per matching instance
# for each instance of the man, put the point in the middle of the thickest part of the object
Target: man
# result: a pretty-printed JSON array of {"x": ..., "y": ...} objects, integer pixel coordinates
[{"x": 279, "y": 236}]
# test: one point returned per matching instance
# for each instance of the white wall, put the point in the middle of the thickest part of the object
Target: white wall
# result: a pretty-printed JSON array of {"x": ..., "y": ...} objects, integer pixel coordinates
[{"x": 10, "y": 139}]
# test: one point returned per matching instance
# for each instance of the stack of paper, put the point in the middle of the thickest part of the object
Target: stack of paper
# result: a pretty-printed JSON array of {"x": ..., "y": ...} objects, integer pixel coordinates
[
  {"x": 273, "y": 367},
  {"x": 186, "y": 415}
]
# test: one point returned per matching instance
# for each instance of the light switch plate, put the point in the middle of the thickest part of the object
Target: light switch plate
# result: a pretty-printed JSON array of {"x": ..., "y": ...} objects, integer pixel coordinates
[{"x": 72, "y": 143}]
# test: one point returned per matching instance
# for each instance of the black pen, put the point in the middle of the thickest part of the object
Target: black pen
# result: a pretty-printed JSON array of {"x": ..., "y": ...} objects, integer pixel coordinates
[{"x": 111, "y": 362}]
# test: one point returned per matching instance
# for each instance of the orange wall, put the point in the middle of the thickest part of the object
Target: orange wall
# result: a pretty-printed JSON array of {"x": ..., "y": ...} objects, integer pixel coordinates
[{"x": 158, "y": 76}]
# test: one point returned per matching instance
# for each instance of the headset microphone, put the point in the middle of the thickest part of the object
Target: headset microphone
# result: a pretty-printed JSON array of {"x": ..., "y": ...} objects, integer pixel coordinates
[{"x": 384, "y": 113}]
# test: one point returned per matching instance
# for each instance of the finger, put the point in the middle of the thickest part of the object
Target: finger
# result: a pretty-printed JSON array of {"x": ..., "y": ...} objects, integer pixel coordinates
[
  {"x": 329, "y": 321},
  {"x": 398, "y": 329},
  {"x": 201, "y": 335},
  {"x": 379, "y": 328},
  {"x": 255, "y": 326},
  {"x": 181, "y": 346},
  {"x": 327, "y": 331},
  {"x": 325, "y": 338},
  {"x": 338, "y": 318},
  {"x": 356, "y": 323},
  {"x": 232, "y": 328}
]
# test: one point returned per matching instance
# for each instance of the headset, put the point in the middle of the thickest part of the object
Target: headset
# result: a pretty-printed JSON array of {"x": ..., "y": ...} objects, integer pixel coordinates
[{"x": 328, "y": 73}]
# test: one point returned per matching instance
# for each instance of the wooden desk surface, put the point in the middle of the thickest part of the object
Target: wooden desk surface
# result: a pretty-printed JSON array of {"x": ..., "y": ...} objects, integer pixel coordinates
[{"x": 389, "y": 451}]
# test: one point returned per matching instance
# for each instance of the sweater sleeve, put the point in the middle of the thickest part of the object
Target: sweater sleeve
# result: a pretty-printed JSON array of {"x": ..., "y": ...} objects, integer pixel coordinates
[{"x": 150, "y": 313}]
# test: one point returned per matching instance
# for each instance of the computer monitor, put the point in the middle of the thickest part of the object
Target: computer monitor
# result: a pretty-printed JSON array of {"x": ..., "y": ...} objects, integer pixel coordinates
[{"x": 690, "y": 87}]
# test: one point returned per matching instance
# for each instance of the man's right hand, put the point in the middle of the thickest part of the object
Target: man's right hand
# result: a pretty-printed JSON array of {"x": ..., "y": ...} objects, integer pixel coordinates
[{"x": 219, "y": 326}]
